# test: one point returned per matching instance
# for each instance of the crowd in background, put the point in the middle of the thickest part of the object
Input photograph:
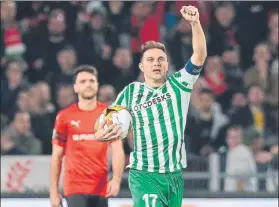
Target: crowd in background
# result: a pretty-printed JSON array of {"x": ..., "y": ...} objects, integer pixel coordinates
[{"x": 234, "y": 104}]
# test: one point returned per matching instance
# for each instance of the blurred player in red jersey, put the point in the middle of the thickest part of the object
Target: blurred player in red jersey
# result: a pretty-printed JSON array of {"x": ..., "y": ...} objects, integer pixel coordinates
[{"x": 86, "y": 170}]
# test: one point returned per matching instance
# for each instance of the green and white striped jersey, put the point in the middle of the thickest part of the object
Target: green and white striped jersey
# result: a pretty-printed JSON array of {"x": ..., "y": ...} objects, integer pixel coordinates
[{"x": 159, "y": 119}]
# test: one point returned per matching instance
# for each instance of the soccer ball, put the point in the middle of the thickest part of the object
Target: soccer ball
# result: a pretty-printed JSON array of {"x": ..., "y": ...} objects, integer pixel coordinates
[{"x": 118, "y": 115}]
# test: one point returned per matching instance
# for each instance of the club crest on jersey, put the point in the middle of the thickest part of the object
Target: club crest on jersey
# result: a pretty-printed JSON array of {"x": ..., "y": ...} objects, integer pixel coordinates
[
  {"x": 152, "y": 101},
  {"x": 140, "y": 95}
]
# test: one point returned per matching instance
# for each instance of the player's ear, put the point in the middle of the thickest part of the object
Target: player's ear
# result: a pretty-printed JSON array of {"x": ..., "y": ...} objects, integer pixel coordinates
[
  {"x": 167, "y": 63},
  {"x": 75, "y": 88},
  {"x": 167, "y": 68},
  {"x": 140, "y": 66}
]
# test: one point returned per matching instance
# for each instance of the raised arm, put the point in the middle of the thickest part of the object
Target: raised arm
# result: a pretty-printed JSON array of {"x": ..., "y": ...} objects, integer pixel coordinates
[
  {"x": 186, "y": 77},
  {"x": 191, "y": 14}
]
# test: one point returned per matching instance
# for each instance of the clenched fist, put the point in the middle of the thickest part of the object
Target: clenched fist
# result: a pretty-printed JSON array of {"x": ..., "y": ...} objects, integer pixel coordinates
[{"x": 190, "y": 13}]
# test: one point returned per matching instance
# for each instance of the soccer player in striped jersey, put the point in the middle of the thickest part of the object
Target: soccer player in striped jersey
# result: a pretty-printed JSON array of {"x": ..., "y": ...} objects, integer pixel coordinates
[{"x": 159, "y": 108}]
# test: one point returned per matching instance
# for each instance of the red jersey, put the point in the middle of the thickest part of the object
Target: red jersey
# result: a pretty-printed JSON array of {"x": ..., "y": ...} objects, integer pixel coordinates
[{"x": 85, "y": 164}]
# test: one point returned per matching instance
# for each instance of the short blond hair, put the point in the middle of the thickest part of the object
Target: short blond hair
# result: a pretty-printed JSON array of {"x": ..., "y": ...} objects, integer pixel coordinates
[{"x": 152, "y": 45}]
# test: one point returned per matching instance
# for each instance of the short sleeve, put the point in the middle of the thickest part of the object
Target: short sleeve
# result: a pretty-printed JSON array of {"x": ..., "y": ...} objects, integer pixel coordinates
[
  {"x": 183, "y": 79},
  {"x": 59, "y": 135}
]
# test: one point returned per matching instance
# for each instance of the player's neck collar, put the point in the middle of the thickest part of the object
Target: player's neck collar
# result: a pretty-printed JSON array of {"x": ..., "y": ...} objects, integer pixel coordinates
[{"x": 155, "y": 88}]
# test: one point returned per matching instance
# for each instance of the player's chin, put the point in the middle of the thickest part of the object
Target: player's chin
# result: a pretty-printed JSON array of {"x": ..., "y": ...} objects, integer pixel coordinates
[
  {"x": 158, "y": 77},
  {"x": 88, "y": 96}
]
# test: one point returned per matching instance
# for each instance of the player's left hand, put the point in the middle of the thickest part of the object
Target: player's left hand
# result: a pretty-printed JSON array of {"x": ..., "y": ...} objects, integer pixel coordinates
[
  {"x": 113, "y": 132},
  {"x": 190, "y": 13},
  {"x": 113, "y": 187}
]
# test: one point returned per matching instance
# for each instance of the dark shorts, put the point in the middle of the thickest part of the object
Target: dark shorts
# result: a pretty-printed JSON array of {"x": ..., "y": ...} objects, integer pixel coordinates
[{"x": 80, "y": 200}]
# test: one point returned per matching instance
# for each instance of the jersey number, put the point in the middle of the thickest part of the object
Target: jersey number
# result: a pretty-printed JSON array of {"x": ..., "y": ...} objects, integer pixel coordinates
[{"x": 147, "y": 197}]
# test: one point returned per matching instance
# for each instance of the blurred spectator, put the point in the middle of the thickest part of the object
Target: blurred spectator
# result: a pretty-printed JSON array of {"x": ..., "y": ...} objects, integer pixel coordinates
[
  {"x": 65, "y": 96},
  {"x": 259, "y": 73},
  {"x": 170, "y": 17},
  {"x": 256, "y": 113},
  {"x": 119, "y": 67},
  {"x": 42, "y": 114},
  {"x": 17, "y": 138},
  {"x": 40, "y": 99},
  {"x": 233, "y": 71},
  {"x": 122, "y": 66},
  {"x": 203, "y": 129},
  {"x": 255, "y": 141},
  {"x": 11, "y": 37},
  {"x": 22, "y": 104},
  {"x": 44, "y": 96},
  {"x": 222, "y": 31},
  {"x": 43, "y": 59},
  {"x": 238, "y": 101},
  {"x": 95, "y": 5},
  {"x": 251, "y": 21},
  {"x": 98, "y": 40},
  {"x": 180, "y": 44},
  {"x": 4, "y": 121},
  {"x": 272, "y": 92},
  {"x": 107, "y": 94},
  {"x": 273, "y": 20},
  {"x": 67, "y": 61},
  {"x": 272, "y": 179},
  {"x": 11, "y": 85},
  {"x": 144, "y": 26},
  {"x": 273, "y": 43},
  {"x": 274, "y": 67},
  {"x": 214, "y": 76},
  {"x": 275, "y": 151},
  {"x": 8, "y": 12},
  {"x": 32, "y": 14},
  {"x": 195, "y": 97},
  {"x": 117, "y": 14},
  {"x": 240, "y": 164}
]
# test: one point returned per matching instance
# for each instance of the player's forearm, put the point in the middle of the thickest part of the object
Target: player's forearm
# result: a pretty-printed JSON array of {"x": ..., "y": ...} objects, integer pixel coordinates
[
  {"x": 118, "y": 164},
  {"x": 199, "y": 44},
  {"x": 56, "y": 165}
]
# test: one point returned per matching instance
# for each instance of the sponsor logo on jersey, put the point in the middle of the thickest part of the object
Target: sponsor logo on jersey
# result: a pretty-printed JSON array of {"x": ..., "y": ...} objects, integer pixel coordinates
[
  {"x": 80, "y": 137},
  {"x": 151, "y": 102},
  {"x": 75, "y": 123}
]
